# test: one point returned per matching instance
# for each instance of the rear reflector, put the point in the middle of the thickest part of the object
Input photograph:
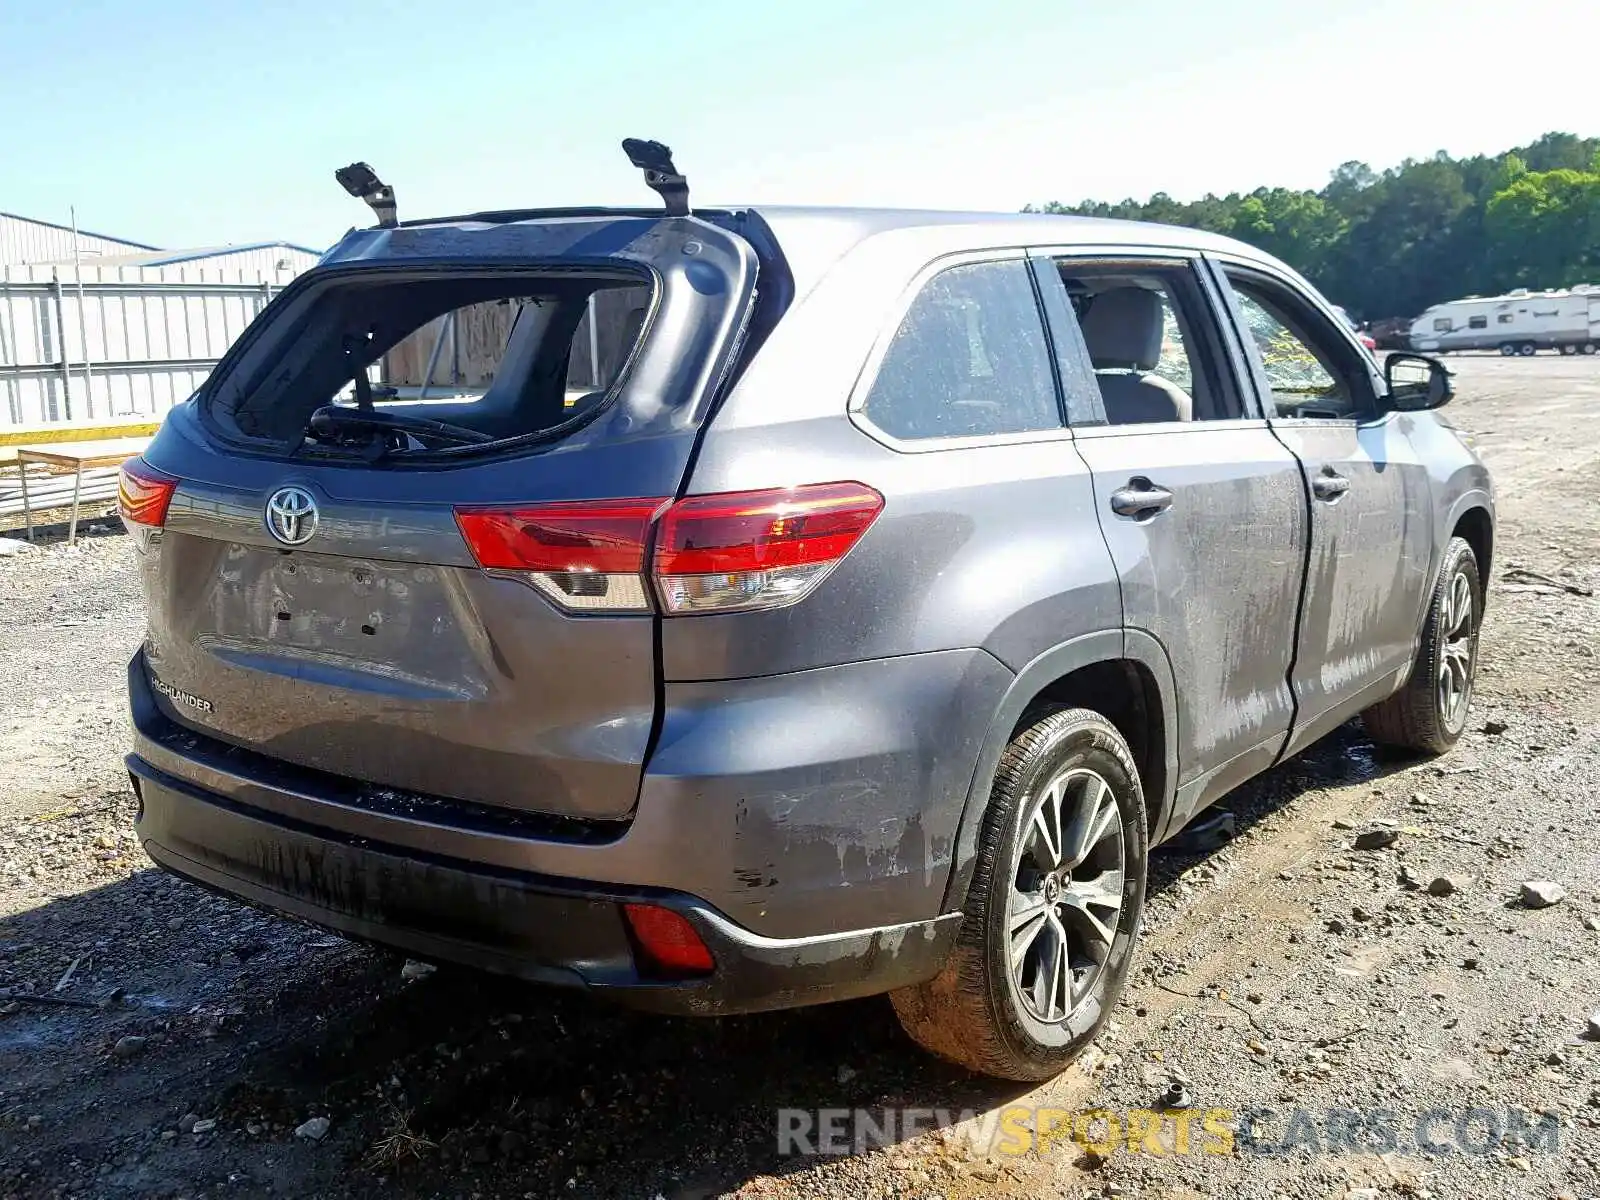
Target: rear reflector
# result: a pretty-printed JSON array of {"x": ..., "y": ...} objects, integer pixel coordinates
[
  {"x": 744, "y": 550},
  {"x": 669, "y": 947},
  {"x": 719, "y": 553},
  {"x": 587, "y": 556},
  {"x": 143, "y": 494}
]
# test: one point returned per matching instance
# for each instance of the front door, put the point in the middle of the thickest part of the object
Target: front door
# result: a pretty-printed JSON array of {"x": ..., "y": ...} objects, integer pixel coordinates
[
  {"x": 1371, "y": 506},
  {"x": 1202, "y": 507}
]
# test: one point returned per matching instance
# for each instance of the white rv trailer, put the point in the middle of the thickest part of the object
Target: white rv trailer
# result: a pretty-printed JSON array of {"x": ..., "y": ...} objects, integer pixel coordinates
[{"x": 1519, "y": 322}]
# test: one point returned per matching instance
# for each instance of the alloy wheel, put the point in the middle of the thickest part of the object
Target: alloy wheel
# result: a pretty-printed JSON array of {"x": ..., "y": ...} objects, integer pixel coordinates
[
  {"x": 1456, "y": 649},
  {"x": 1066, "y": 893}
]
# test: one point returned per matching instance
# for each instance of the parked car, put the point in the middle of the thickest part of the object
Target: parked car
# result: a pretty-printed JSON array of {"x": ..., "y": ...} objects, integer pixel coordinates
[
  {"x": 1362, "y": 336},
  {"x": 860, "y": 633},
  {"x": 1392, "y": 333}
]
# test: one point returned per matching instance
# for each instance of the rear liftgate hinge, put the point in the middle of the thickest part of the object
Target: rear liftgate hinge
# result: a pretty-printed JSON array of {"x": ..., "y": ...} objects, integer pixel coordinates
[
  {"x": 362, "y": 182},
  {"x": 655, "y": 160}
]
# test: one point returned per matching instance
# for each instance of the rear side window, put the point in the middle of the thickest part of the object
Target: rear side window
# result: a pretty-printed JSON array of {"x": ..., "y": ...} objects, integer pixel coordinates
[
  {"x": 968, "y": 360},
  {"x": 1147, "y": 328}
]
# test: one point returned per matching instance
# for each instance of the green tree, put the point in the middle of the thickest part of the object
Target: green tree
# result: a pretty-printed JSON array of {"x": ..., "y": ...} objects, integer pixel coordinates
[
  {"x": 1391, "y": 243},
  {"x": 1297, "y": 225},
  {"x": 1544, "y": 228}
]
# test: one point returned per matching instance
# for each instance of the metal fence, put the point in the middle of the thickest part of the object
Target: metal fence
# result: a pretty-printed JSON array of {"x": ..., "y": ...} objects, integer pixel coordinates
[{"x": 103, "y": 343}]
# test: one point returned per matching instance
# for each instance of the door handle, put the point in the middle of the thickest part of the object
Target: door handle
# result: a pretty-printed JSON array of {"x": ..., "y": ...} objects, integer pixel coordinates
[
  {"x": 1330, "y": 485},
  {"x": 1140, "y": 499}
]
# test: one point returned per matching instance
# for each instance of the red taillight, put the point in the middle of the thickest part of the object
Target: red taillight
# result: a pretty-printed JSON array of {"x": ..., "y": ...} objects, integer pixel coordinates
[
  {"x": 585, "y": 555},
  {"x": 718, "y": 553},
  {"x": 668, "y": 945},
  {"x": 143, "y": 494},
  {"x": 743, "y": 550}
]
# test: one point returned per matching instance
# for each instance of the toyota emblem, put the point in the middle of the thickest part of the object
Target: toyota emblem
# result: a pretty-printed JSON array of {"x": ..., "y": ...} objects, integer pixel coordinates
[{"x": 292, "y": 515}]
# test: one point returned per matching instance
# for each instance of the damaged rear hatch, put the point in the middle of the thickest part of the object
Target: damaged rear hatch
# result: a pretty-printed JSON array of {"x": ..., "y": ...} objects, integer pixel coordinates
[{"x": 395, "y": 545}]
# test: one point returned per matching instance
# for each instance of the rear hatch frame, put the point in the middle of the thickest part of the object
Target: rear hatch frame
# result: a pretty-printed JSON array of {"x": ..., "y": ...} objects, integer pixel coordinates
[{"x": 490, "y": 695}]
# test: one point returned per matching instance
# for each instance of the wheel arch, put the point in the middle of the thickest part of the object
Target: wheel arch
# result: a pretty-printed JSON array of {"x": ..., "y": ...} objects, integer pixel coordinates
[
  {"x": 1126, "y": 676},
  {"x": 1470, "y": 516},
  {"x": 1475, "y": 525}
]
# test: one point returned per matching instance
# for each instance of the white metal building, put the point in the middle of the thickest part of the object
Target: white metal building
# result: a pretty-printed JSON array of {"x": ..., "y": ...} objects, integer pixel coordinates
[
  {"x": 25, "y": 240},
  {"x": 106, "y": 329},
  {"x": 271, "y": 260}
]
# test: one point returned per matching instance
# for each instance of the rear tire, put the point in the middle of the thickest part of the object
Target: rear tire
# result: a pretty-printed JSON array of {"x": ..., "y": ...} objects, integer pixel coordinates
[
  {"x": 1053, "y": 912},
  {"x": 1588, "y": 347},
  {"x": 1568, "y": 349},
  {"x": 1508, "y": 348},
  {"x": 1430, "y": 712},
  {"x": 1527, "y": 349}
]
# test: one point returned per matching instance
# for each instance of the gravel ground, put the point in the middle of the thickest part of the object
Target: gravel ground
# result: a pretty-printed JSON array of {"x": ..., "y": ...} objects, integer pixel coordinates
[{"x": 1286, "y": 971}]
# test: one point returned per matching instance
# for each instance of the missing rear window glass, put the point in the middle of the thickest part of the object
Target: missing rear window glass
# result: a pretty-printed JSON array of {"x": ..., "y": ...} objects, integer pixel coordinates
[{"x": 384, "y": 365}]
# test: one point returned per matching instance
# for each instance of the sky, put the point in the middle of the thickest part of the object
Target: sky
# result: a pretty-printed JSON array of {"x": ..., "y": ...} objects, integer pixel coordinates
[{"x": 198, "y": 122}]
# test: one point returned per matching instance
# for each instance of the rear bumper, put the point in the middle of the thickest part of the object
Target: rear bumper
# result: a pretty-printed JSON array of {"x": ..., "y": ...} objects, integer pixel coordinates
[
  {"x": 803, "y": 824},
  {"x": 545, "y": 930}
]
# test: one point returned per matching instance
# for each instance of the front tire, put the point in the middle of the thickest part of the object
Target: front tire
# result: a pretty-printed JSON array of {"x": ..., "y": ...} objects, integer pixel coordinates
[
  {"x": 1587, "y": 348},
  {"x": 1508, "y": 348},
  {"x": 1430, "y": 711},
  {"x": 1053, "y": 912}
]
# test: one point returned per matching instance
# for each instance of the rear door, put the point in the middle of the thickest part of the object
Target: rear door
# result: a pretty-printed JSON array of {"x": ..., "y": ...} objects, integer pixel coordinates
[
  {"x": 1371, "y": 502},
  {"x": 428, "y": 622},
  {"x": 1203, "y": 510}
]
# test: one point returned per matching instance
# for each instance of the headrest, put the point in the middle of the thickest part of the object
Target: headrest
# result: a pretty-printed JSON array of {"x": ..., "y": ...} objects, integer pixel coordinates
[{"x": 1123, "y": 328}]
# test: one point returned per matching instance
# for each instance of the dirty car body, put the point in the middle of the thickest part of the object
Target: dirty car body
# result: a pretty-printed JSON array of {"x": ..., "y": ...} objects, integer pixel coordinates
[{"x": 385, "y": 690}]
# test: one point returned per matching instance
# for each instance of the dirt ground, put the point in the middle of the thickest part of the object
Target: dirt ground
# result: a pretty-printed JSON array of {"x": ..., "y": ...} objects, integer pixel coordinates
[{"x": 1285, "y": 971}]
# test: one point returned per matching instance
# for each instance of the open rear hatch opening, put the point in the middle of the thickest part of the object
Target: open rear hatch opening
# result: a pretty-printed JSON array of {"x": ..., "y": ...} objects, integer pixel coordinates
[
  {"x": 383, "y": 365},
  {"x": 483, "y": 365}
]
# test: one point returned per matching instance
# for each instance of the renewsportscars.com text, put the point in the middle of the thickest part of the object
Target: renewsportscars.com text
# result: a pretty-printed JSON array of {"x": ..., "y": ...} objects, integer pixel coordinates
[{"x": 1020, "y": 1129}]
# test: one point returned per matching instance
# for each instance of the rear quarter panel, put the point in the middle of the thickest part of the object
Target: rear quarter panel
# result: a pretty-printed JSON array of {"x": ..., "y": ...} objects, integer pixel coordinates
[
  {"x": 981, "y": 544},
  {"x": 989, "y": 548}
]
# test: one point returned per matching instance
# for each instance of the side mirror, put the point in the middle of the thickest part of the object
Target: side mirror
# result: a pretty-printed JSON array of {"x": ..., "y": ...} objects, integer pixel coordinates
[{"x": 1416, "y": 383}]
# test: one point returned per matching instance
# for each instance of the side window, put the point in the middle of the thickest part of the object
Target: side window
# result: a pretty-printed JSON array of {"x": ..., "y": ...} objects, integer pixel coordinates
[
  {"x": 1504, "y": 319},
  {"x": 458, "y": 355},
  {"x": 1477, "y": 322},
  {"x": 1308, "y": 371},
  {"x": 968, "y": 360},
  {"x": 1174, "y": 365},
  {"x": 1149, "y": 335},
  {"x": 1442, "y": 325}
]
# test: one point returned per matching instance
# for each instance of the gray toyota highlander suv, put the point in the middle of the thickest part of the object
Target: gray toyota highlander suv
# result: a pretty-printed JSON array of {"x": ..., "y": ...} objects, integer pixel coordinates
[{"x": 756, "y": 607}]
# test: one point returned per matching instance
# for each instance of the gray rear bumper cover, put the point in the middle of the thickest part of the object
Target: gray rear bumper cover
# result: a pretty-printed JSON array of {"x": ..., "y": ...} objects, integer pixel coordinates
[
  {"x": 551, "y": 931},
  {"x": 546, "y": 908}
]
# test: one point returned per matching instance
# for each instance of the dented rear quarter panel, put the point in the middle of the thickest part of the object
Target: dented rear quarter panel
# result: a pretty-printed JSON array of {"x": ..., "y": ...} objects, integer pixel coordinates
[{"x": 987, "y": 553}]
